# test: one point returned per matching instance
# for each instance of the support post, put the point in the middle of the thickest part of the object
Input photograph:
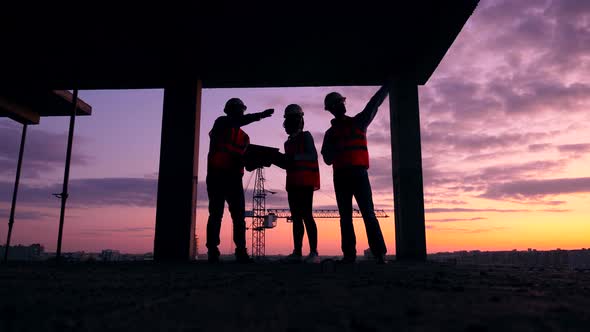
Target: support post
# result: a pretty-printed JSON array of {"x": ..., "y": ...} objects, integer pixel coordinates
[
  {"x": 15, "y": 191},
  {"x": 406, "y": 155},
  {"x": 64, "y": 194},
  {"x": 177, "y": 179}
]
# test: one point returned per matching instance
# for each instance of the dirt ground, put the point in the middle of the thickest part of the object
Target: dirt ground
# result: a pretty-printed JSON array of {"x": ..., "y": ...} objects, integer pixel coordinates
[{"x": 282, "y": 297}]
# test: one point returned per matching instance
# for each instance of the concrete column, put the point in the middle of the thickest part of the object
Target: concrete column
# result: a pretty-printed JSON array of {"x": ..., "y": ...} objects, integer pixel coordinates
[
  {"x": 179, "y": 166},
  {"x": 406, "y": 168}
]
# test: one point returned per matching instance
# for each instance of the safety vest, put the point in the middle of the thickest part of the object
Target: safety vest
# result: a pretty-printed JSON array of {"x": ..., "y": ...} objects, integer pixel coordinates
[
  {"x": 350, "y": 145},
  {"x": 301, "y": 173},
  {"x": 226, "y": 150}
]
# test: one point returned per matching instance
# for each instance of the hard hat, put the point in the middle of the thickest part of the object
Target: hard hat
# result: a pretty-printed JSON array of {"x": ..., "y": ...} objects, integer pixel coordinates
[
  {"x": 234, "y": 103},
  {"x": 333, "y": 98},
  {"x": 293, "y": 109}
]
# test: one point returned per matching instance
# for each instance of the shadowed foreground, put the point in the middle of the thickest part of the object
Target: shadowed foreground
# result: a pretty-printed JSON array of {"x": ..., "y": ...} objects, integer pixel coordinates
[{"x": 275, "y": 297}]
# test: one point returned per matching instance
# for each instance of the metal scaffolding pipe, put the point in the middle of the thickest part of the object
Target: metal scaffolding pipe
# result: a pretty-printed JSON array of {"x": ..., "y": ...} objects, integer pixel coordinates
[
  {"x": 15, "y": 192},
  {"x": 64, "y": 194}
]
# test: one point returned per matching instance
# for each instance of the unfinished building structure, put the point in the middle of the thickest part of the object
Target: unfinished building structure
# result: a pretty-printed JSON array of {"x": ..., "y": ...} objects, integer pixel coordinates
[{"x": 228, "y": 45}]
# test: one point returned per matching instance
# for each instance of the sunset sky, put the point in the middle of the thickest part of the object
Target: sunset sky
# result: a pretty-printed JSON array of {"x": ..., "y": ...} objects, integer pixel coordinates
[{"x": 505, "y": 122}]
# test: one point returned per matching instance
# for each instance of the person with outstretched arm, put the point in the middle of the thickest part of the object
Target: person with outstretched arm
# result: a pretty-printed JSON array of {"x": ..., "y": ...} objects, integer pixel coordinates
[
  {"x": 225, "y": 169},
  {"x": 345, "y": 148}
]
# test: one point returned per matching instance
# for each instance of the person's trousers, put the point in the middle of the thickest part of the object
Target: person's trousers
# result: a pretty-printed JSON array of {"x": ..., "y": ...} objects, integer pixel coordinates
[
  {"x": 222, "y": 188},
  {"x": 300, "y": 204},
  {"x": 355, "y": 183}
]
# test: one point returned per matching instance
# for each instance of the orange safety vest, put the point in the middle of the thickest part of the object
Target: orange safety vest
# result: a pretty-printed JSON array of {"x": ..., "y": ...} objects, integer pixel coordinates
[
  {"x": 227, "y": 149},
  {"x": 301, "y": 173},
  {"x": 350, "y": 144}
]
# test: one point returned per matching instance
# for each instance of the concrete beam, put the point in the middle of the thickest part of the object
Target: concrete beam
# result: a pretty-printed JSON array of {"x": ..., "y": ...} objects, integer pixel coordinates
[
  {"x": 406, "y": 168},
  {"x": 177, "y": 180}
]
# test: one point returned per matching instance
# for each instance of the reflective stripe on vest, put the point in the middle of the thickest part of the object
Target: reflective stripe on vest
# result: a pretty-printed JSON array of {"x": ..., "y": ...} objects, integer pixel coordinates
[
  {"x": 350, "y": 144},
  {"x": 227, "y": 149},
  {"x": 301, "y": 173}
]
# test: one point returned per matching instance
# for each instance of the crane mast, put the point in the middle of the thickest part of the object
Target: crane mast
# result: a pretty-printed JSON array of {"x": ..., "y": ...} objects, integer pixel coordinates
[{"x": 258, "y": 214}]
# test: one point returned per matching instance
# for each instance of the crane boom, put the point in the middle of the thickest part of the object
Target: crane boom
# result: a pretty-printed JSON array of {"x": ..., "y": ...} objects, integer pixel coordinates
[{"x": 324, "y": 213}]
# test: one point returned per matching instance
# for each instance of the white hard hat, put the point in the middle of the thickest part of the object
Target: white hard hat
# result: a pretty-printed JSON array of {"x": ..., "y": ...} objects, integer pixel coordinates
[{"x": 293, "y": 109}]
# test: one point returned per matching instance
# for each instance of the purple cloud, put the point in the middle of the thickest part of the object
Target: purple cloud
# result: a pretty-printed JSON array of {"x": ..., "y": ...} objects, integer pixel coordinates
[
  {"x": 433, "y": 201},
  {"x": 515, "y": 171},
  {"x": 538, "y": 96},
  {"x": 454, "y": 181},
  {"x": 465, "y": 230},
  {"x": 555, "y": 210},
  {"x": 455, "y": 219},
  {"x": 90, "y": 192},
  {"x": 539, "y": 147},
  {"x": 21, "y": 214},
  {"x": 478, "y": 142},
  {"x": 467, "y": 210},
  {"x": 138, "y": 192},
  {"x": 574, "y": 149},
  {"x": 536, "y": 189},
  {"x": 136, "y": 232},
  {"x": 44, "y": 151}
]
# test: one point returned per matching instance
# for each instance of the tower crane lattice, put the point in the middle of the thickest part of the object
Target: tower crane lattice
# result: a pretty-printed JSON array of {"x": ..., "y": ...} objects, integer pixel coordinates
[{"x": 258, "y": 214}]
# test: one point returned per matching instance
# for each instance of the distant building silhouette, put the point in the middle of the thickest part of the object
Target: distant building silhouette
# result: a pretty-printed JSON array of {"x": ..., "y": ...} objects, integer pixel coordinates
[
  {"x": 571, "y": 259},
  {"x": 34, "y": 252},
  {"x": 109, "y": 255}
]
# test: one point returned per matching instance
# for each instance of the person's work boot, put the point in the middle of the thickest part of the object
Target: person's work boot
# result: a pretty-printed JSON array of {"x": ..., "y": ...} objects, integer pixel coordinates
[
  {"x": 213, "y": 256},
  {"x": 347, "y": 260},
  {"x": 294, "y": 257},
  {"x": 242, "y": 256},
  {"x": 380, "y": 259},
  {"x": 312, "y": 258}
]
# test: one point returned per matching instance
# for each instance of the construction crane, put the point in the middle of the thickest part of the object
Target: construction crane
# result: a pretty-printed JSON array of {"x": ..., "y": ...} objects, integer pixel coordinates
[{"x": 263, "y": 219}]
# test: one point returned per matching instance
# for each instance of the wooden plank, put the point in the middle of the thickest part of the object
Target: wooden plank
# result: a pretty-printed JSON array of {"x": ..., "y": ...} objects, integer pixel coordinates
[
  {"x": 28, "y": 105},
  {"x": 82, "y": 108},
  {"x": 17, "y": 112}
]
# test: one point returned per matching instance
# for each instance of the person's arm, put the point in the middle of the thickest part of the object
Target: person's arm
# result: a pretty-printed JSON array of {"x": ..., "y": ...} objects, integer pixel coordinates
[
  {"x": 327, "y": 149},
  {"x": 365, "y": 117},
  {"x": 309, "y": 151},
  {"x": 220, "y": 122},
  {"x": 247, "y": 119},
  {"x": 280, "y": 160}
]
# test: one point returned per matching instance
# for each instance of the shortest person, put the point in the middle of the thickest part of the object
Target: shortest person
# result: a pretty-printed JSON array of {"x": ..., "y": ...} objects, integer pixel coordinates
[{"x": 303, "y": 178}]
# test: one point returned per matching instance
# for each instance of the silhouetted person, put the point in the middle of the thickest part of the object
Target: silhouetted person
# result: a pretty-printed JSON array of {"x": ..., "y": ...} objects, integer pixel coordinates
[
  {"x": 345, "y": 148},
  {"x": 225, "y": 169},
  {"x": 303, "y": 178}
]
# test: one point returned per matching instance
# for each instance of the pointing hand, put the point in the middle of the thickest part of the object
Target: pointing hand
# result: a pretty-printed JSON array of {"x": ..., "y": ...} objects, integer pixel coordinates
[{"x": 268, "y": 112}]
